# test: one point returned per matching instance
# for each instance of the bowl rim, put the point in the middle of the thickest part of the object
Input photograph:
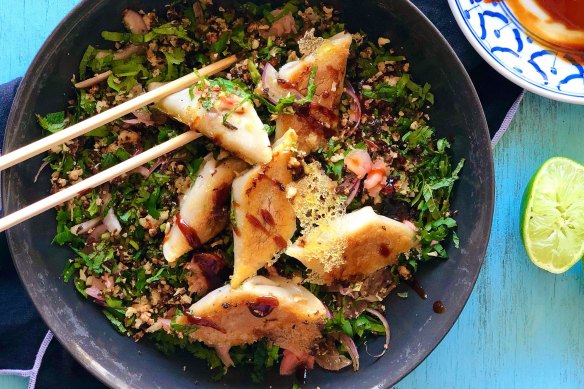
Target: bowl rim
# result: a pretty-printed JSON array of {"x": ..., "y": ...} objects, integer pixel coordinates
[
  {"x": 68, "y": 23},
  {"x": 502, "y": 70}
]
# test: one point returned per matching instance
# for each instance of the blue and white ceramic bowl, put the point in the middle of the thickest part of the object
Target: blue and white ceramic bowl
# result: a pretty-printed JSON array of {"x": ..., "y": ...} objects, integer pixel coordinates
[{"x": 499, "y": 38}]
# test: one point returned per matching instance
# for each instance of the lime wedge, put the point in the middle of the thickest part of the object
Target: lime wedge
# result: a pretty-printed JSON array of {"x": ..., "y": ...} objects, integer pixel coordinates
[{"x": 552, "y": 215}]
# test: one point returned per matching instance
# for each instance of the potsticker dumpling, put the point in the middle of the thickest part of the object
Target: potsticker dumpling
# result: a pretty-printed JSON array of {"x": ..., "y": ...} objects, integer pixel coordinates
[
  {"x": 352, "y": 246},
  {"x": 263, "y": 218},
  {"x": 222, "y": 117},
  {"x": 204, "y": 210},
  {"x": 316, "y": 122},
  {"x": 274, "y": 308}
]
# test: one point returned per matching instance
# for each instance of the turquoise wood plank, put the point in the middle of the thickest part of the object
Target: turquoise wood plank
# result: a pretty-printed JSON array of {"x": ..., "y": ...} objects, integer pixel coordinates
[
  {"x": 521, "y": 327},
  {"x": 13, "y": 382},
  {"x": 24, "y": 26}
]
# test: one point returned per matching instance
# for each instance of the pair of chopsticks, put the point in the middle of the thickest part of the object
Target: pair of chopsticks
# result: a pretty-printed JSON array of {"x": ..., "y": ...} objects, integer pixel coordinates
[{"x": 94, "y": 122}]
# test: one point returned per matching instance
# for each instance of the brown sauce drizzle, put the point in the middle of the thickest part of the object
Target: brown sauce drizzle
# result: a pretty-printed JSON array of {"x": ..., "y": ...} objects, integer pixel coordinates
[
  {"x": 384, "y": 250},
  {"x": 297, "y": 172},
  {"x": 286, "y": 84},
  {"x": 188, "y": 232},
  {"x": 211, "y": 264},
  {"x": 280, "y": 241},
  {"x": 324, "y": 111},
  {"x": 318, "y": 117},
  {"x": 268, "y": 218},
  {"x": 221, "y": 197},
  {"x": 568, "y": 12},
  {"x": 413, "y": 283},
  {"x": 263, "y": 306},
  {"x": 439, "y": 307},
  {"x": 254, "y": 221},
  {"x": 199, "y": 321},
  {"x": 280, "y": 185}
]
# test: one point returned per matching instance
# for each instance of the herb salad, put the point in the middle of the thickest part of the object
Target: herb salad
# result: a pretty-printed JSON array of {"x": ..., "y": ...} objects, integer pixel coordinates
[{"x": 365, "y": 147}]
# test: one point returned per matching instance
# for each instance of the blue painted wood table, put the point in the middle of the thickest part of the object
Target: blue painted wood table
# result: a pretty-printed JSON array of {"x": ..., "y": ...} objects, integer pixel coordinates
[{"x": 522, "y": 327}]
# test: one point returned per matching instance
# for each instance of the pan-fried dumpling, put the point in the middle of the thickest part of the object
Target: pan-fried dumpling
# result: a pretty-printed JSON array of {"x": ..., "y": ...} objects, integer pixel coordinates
[
  {"x": 274, "y": 308},
  {"x": 352, "y": 246},
  {"x": 264, "y": 220},
  {"x": 204, "y": 210},
  {"x": 319, "y": 120},
  {"x": 222, "y": 117}
]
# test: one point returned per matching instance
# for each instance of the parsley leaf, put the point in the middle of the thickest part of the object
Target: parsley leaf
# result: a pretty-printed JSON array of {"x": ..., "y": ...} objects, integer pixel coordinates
[
  {"x": 152, "y": 202},
  {"x": 52, "y": 122},
  {"x": 87, "y": 56},
  {"x": 220, "y": 44},
  {"x": 175, "y": 58},
  {"x": 109, "y": 160},
  {"x": 115, "y": 321}
]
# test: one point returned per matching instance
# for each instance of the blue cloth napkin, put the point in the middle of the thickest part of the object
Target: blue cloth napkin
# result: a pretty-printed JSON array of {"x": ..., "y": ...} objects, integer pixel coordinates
[{"x": 22, "y": 330}]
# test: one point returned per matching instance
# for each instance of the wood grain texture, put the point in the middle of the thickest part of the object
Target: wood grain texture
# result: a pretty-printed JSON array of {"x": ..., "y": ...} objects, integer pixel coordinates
[
  {"x": 522, "y": 327},
  {"x": 24, "y": 26}
]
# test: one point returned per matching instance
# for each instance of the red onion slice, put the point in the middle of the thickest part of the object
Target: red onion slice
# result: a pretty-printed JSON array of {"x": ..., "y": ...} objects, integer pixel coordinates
[
  {"x": 351, "y": 348},
  {"x": 84, "y": 227},
  {"x": 134, "y": 22},
  {"x": 96, "y": 234},
  {"x": 330, "y": 359},
  {"x": 223, "y": 354},
  {"x": 166, "y": 323},
  {"x": 283, "y": 26},
  {"x": 43, "y": 165},
  {"x": 145, "y": 172},
  {"x": 161, "y": 163},
  {"x": 383, "y": 320},
  {"x": 353, "y": 193},
  {"x": 199, "y": 14},
  {"x": 94, "y": 292},
  {"x": 106, "y": 197},
  {"x": 274, "y": 91},
  {"x": 291, "y": 362},
  {"x": 111, "y": 222},
  {"x": 93, "y": 80},
  {"x": 411, "y": 225},
  {"x": 109, "y": 281},
  {"x": 129, "y": 51},
  {"x": 142, "y": 116},
  {"x": 329, "y": 314},
  {"x": 355, "y": 110}
]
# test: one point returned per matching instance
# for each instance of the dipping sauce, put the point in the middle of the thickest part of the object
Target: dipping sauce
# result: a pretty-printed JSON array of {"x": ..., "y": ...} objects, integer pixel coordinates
[
  {"x": 559, "y": 22},
  {"x": 438, "y": 307},
  {"x": 413, "y": 283},
  {"x": 568, "y": 12},
  {"x": 263, "y": 306}
]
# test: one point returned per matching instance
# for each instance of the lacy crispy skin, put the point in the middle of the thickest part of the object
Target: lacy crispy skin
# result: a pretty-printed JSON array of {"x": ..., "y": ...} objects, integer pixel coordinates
[{"x": 559, "y": 22}]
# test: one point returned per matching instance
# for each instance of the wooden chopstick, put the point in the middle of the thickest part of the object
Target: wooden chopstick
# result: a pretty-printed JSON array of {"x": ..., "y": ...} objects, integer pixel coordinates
[
  {"x": 111, "y": 114},
  {"x": 94, "y": 181}
]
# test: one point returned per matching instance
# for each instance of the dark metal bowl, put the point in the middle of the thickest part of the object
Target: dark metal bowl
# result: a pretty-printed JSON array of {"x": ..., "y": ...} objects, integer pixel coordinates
[{"x": 120, "y": 362}]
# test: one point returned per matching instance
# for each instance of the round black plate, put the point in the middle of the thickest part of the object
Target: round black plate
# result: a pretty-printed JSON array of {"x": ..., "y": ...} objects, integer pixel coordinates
[{"x": 119, "y": 361}]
